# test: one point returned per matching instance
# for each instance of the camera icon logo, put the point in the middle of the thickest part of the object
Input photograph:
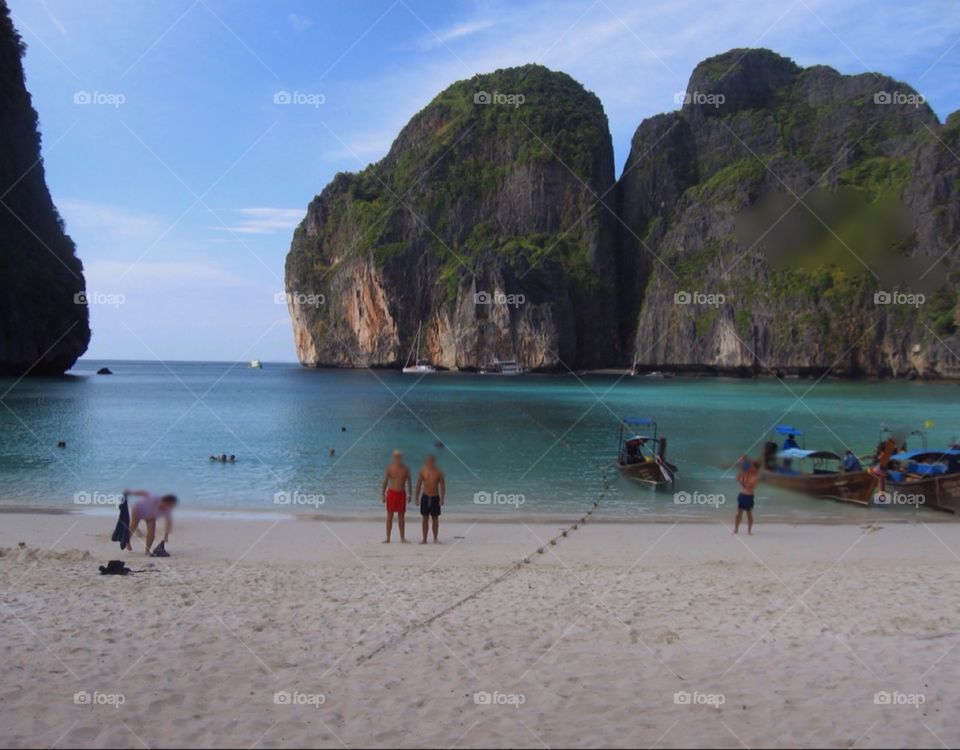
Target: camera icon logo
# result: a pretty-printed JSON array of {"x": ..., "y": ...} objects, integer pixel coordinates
[
  {"x": 682, "y": 298},
  {"x": 682, "y": 698},
  {"x": 82, "y": 698},
  {"x": 483, "y": 698},
  {"x": 883, "y": 698},
  {"x": 282, "y": 97},
  {"x": 882, "y": 97},
  {"x": 482, "y": 498},
  {"x": 282, "y": 698},
  {"x": 80, "y": 298},
  {"x": 482, "y": 298},
  {"x": 82, "y": 97},
  {"x": 682, "y": 498},
  {"x": 882, "y": 298},
  {"x": 482, "y": 97},
  {"x": 282, "y": 498},
  {"x": 82, "y": 498}
]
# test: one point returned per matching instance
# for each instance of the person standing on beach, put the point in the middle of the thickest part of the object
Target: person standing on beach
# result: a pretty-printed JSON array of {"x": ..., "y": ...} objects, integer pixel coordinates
[
  {"x": 396, "y": 492},
  {"x": 431, "y": 481},
  {"x": 747, "y": 478},
  {"x": 149, "y": 508}
]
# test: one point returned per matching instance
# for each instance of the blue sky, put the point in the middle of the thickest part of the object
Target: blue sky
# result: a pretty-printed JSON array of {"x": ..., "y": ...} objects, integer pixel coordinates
[{"x": 181, "y": 179}]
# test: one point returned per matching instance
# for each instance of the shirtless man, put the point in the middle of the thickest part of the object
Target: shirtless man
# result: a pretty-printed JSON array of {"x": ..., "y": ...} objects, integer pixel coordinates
[
  {"x": 747, "y": 477},
  {"x": 395, "y": 492},
  {"x": 433, "y": 485},
  {"x": 149, "y": 508}
]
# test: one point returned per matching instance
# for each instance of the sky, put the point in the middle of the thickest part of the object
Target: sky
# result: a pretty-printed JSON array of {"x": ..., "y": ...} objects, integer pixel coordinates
[{"x": 183, "y": 139}]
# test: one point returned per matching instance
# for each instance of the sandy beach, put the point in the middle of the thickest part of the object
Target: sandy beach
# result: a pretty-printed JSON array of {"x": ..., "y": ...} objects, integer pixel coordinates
[{"x": 287, "y": 632}]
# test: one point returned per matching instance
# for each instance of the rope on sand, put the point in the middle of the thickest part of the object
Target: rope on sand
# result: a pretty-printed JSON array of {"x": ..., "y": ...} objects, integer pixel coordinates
[{"x": 517, "y": 566}]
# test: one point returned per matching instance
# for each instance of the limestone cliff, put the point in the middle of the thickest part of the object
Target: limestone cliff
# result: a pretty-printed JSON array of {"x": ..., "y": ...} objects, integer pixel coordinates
[
  {"x": 792, "y": 220},
  {"x": 42, "y": 328},
  {"x": 784, "y": 219},
  {"x": 485, "y": 222}
]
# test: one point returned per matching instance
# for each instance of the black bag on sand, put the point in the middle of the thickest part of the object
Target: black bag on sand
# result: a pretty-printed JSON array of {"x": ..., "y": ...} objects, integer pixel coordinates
[
  {"x": 160, "y": 551},
  {"x": 115, "y": 568}
]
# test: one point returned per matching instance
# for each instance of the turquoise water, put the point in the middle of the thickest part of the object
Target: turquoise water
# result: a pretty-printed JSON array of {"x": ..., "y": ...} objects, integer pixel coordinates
[{"x": 544, "y": 442}]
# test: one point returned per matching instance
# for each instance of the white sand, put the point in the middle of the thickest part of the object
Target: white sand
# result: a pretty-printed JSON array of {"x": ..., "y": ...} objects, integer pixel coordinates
[{"x": 795, "y": 630}]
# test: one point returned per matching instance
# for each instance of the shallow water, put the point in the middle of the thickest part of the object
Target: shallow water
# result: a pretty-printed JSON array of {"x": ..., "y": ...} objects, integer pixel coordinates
[{"x": 544, "y": 443}]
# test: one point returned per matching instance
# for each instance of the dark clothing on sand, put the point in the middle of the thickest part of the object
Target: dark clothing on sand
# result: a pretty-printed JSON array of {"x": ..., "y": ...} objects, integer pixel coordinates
[{"x": 122, "y": 531}]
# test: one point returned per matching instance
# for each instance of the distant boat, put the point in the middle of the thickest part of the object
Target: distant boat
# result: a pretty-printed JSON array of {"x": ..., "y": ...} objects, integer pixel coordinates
[
  {"x": 415, "y": 364},
  {"x": 641, "y": 456},
  {"x": 503, "y": 367},
  {"x": 255, "y": 364}
]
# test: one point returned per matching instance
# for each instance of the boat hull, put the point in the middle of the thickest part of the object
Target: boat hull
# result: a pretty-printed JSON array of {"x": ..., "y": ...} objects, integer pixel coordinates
[
  {"x": 647, "y": 472},
  {"x": 850, "y": 487},
  {"x": 940, "y": 493}
]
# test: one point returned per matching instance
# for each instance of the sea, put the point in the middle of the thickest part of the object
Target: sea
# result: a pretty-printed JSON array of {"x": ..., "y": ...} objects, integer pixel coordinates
[{"x": 316, "y": 441}]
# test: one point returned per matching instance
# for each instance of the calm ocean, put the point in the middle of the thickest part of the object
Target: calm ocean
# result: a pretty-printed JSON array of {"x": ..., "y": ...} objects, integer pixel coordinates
[{"x": 535, "y": 444}]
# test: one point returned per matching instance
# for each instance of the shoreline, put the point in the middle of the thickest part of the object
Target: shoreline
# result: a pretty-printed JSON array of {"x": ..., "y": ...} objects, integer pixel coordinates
[
  {"x": 673, "y": 371},
  {"x": 768, "y": 517}
]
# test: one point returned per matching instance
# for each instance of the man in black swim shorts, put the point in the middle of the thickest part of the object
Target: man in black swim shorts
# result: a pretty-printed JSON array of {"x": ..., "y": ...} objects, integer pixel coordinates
[
  {"x": 747, "y": 477},
  {"x": 431, "y": 487}
]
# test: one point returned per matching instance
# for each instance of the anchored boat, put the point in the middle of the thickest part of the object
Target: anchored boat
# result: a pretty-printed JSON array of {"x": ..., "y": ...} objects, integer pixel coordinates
[
  {"x": 819, "y": 473},
  {"x": 922, "y": 477},
  {"x": 641, "y": 452},
  {"x": 415, "y": 364},
  {"x": 503, "y": 367}
]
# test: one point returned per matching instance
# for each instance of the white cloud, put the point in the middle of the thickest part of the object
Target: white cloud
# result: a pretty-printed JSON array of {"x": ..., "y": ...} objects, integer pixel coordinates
[
  {"x": 112, "y": 225},
  {"x": 117, "y": 275},
  {"x": 263, "y": 220},
  {"x": 299, "y": 23},
  {"x": 453, "y": 33}
]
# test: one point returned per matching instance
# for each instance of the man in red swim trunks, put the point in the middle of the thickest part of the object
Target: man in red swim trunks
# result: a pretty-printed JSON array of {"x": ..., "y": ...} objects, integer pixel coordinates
[{"x": 396, "y": 491}]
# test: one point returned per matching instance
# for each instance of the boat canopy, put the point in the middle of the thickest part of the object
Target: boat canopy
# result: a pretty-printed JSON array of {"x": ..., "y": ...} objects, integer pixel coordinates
[
  {"x": 926, "y": 453},
  {"x": 785, "y": 429},
  {"x": 800, "y": 453}
]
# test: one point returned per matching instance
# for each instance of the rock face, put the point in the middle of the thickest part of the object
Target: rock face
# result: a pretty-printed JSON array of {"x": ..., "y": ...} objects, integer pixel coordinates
[
  {"x": 783, "y": 220},
  {"x": 486, "y": 222},
  {"x": 43, "y": 329},
  {"x": 733, "y": 272}
]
